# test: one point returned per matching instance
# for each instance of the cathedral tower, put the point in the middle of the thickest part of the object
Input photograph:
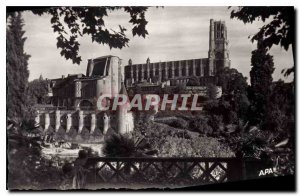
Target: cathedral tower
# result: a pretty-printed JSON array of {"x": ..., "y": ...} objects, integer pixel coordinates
[
  {"x": 218, "y": 53},
  {"x": 122, "y": 111}
]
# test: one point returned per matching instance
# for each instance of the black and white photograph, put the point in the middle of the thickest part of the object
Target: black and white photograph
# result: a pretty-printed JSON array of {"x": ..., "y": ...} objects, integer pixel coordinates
[{"x": 149, "y": 97}]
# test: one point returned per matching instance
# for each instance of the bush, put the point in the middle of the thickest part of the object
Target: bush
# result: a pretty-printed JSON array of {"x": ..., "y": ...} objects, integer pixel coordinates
[
  {"x": 118, "y": 145},
  {"x": 216, "y": 123},
  {"x": 211, "y": 92},
  {"x": 178, "y": 123},
  {"x": 211, "y": 107},
  {"x": 27, "y": 169},
  {"x": 169, "y": 141},
  {"x": 194, "y": 147},
  {"x": 200, "y": 125}
]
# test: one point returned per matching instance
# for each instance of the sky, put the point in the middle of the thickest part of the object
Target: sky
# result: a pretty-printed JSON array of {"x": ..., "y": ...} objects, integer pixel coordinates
[{"x": 175, "y": 33}]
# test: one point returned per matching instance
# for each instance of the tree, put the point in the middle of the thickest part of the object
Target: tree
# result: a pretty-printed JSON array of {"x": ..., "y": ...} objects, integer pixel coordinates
[
  {"x": 38, "y": 90},
  {"x": 212, "y": 92},
  {"x": 261, "y": 82},
  {"x": 281, "y": 114},
  {"x": 232, "y": 81},
  {"x": 271, "y": 108},
  {"x": 193, "y": 81},
  {"x": 280, "y": 29},
  {"x": 16, "y": 68},
  {"x": 70, "y": 23},
  {"x": 235, "y": 90}
]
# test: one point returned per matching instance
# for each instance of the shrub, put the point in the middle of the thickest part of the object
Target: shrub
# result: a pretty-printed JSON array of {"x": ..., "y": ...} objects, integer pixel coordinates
[
  {"x": 27, "y": 169},
  {"x": 118, "y": 146},
  {"x": 200, "y": 125},
  {"x": 211, "y": 92},
  {"x": 211, "y": 107},
  {"x": 178, "y": 123},
  {"x": 216, "y": 123},
  {"x": 169, "y": 141},
  {"x": 194, "y": 147}
]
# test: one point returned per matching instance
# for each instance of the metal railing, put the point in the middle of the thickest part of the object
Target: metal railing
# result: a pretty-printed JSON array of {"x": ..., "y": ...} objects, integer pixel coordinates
[{"x": 163, "y": 171}]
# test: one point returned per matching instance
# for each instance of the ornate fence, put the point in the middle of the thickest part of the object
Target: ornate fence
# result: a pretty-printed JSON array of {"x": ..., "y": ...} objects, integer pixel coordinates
[{"x": 163, "y": 171}]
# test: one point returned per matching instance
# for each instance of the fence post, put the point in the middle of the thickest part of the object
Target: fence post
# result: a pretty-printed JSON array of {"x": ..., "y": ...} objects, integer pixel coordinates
[{"x": 235, "y": 169}]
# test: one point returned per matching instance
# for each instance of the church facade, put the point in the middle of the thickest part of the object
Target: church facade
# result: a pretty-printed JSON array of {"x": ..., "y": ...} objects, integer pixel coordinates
[{"x": 205, "y": 70}]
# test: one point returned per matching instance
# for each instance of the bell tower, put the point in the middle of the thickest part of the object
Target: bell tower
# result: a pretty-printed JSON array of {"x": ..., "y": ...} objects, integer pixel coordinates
[{"x": 218, "y": 54}]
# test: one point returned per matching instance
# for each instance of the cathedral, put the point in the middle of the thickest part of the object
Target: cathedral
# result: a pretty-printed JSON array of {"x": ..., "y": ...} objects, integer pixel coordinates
[
  {"x": 73, "y": 112},
  {"x": 205, "y": 70}
]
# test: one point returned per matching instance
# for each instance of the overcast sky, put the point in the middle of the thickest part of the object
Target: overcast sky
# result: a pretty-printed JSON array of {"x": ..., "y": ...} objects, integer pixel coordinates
[{"x": 175, "y": 33}]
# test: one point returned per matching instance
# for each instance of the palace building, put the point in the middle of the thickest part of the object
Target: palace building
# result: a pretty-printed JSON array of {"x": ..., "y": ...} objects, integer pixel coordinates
[
  {"x": 73, "y": 113},
  {"x": 205, "y": 69}
]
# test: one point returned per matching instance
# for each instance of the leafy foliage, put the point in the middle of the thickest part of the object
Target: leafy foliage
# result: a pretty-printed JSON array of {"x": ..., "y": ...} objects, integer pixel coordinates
[
  {"x": 38, "y": 90},
  {"x": 127, "y": 145},
  {"x": 234, "y": 91},
  {"x": 223, "y": 108},
  {"x": 27, "y": 169},
  {"x": 70, "y": 23},
  {"x": 119, "y": 146},
  {"x": 212, "y": 92},
  {"x": 232, "y": 81},
  {"x": 16, "y": 68},
  {"x": 280, "y": 29},
  {"x": 280, "y": 117},
  {"x": 193, "y": 147},
  {"x": 200, "y": 125},
  {"x": 175, "y": 142},
  {"x": 179, "y": 123},
  {"x": 261, "y": 81}
]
